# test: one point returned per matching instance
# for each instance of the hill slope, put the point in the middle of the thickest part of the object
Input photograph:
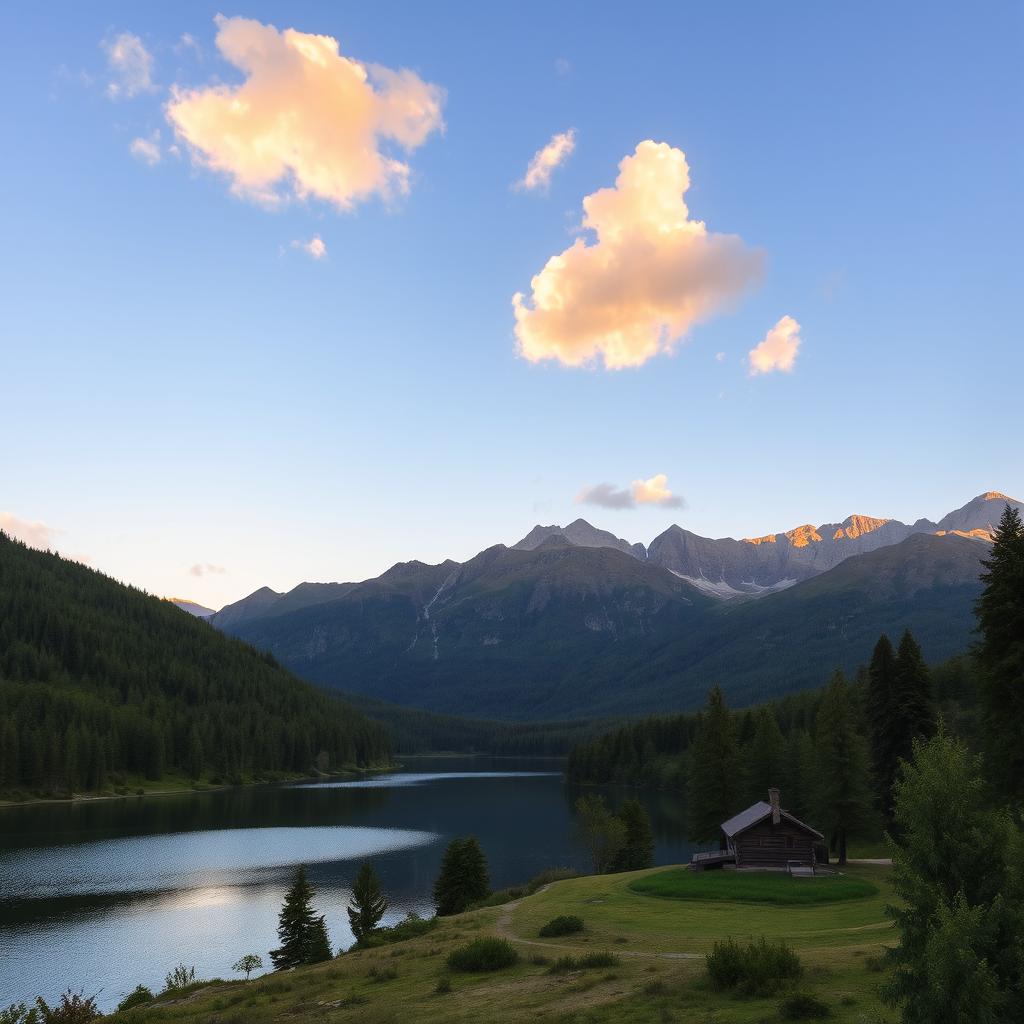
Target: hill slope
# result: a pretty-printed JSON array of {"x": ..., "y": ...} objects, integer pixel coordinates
[{"x": 100, "y": 682}]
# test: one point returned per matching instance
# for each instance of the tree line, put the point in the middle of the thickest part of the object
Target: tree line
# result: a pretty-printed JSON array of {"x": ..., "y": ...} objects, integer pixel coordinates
[{"x": 102, "y": 684}]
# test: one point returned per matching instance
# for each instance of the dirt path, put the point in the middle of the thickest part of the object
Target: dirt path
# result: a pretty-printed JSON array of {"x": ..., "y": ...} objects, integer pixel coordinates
[
  {"x": 503, "y": 926},
  {"x": 882, "y": 862}
]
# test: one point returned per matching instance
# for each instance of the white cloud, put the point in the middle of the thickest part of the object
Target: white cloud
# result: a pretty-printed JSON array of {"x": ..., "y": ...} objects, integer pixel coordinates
[
  {"x": 315, "y": 247},
  {"x": 778, "y": 348},
  {"x": 34, "y": 534},
  {"x": 546, "y": 160},
  {"x": 719, "y": 357},
  {"x": 654, "y": 491},
  {"x": 307, "y": 121},
  {"x": 651, "y": 274},
  {"x": 187, "y": 41},
  {"x": 130, "y": 64},
  {"x": 147, "y": 150},
  {"x": 206, "y": 569}
]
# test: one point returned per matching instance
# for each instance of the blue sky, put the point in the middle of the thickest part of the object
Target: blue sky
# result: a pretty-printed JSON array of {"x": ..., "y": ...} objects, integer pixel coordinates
[{"x": 180, "y": 386}]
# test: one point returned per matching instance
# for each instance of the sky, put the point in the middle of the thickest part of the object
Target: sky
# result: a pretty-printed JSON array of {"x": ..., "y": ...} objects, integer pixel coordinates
[{"x": 296, "y": 291}]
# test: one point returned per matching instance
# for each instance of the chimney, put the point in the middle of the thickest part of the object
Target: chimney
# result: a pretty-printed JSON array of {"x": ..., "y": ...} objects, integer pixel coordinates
[{"x": 773, "y": 799}]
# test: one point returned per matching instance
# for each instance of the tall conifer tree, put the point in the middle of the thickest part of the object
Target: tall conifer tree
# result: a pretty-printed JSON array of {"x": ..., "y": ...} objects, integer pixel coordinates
[
  {"x": 1000, "y": 612},
  {"x": 368, "y": 904},
  {"x": 714, "y": 784},
  {"x": 303, "y": 935}
]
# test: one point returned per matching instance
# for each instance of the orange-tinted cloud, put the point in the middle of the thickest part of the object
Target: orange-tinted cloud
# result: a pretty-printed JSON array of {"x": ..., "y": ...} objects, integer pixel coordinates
[
  {"x": 654, "y": 491},
  {"x": 546, "y": 160},
  {"x": 648, "y": 277},
  {"x": 34, "y": 534},
  {"x": 315, "y": 247},
  {"x": 206, "y": 569},
  {"x": 307, "y": 121},
  {"x": 778, "y": 349}
]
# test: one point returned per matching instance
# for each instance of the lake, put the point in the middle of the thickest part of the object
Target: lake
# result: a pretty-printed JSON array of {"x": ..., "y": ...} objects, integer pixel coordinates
[{"x": 102, "y": 896}]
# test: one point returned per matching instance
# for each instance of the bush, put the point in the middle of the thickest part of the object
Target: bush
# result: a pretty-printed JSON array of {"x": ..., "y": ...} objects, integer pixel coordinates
[
  {"x": 488, "y": 954},
  {"x": 387, "y": 973},
  {"x": 180, "y": 977},
  {"x": 760, "y": 968},
  {"x": 140, "y": 995},
  {"x": 444, "y": 986},
  {"x": 73, "y": 1008},
  {"x": 566, "y": 924},
  {"x": 565, "y": 964},
  {"x": 803, "y": 1006}
]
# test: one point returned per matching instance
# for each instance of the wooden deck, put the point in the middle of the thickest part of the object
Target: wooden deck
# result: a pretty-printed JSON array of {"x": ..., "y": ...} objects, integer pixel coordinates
[{"x": 711, "y": 859}]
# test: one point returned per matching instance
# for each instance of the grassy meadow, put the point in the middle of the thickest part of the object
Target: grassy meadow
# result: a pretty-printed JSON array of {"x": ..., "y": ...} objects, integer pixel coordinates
[{"x": 656, "y": 972}]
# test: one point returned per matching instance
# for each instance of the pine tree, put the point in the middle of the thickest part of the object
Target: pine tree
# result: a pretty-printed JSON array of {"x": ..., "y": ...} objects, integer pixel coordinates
[
  {"x": 713, "y": 792},
  {"x": 302, "y": 935},
  {"x": 368, "y": 905},
  {"x": 844, "y": 794},
  {"x": 765, "y": 756},
  {"x": 1000, "y": 613},
  {"x": 879, "y": 712},
  {"x": 463, "y": 877},
  {"x": 914, "y": 706},
  {"x": 638, "y": 842},
  {"x": 603, "y": 832},
  {"x": 956, "y": 874}
]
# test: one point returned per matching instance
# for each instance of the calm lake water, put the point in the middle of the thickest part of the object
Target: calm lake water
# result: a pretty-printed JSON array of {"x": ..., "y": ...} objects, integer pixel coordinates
[{"x": 103, "y": 896}]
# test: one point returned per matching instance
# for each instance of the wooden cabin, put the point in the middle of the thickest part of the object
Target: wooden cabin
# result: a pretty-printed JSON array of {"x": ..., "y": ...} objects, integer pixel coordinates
[{"x": 766, "y": 836}]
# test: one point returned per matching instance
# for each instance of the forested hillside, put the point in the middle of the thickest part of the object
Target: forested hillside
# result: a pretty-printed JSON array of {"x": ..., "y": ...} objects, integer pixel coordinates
[{"x": 101, "y": 684}]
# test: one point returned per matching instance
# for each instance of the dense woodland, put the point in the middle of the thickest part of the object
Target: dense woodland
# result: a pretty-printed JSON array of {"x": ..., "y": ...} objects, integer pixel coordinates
[{"x": 102, "y": 685}]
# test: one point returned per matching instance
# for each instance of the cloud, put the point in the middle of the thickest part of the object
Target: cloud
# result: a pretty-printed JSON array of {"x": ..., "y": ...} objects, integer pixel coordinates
[
  {"x": 315, "y": 247},
  {"x": 650, "y": 275},
  {"x": 542, "y": 166},
  {"x": 35, "y": 535},
  {"x": 654, "y": 491},
  {"x": 147, "y": 150},
  {"x": 131, "y": 66},
  {"x": 187, "y": 41},
  {"x": 307, "y": 121},
  {"x": 719, "y": 357},
  {"x": 205, "y": 569},
  {"x": 778, "y": 349}
]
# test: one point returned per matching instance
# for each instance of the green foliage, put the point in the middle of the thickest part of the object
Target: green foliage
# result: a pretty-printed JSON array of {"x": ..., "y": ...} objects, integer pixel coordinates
[
  {"x": 591, "y": 961},
  {"x": 139, "y": 996},
  {"x": 564, "y": 924},
  {"x": 73, "y": 1008},
  {"x": 444, "y": 986},
  {"x": 603, "y": 832},
  {"x": 247, "y": 964},
  {"x": 463, "y": 878},
  {"x": 844, "y": 794},
  {"x": 410, "y": 928},
  {"x": 1000, "y": 613},
  {"x": 99, "y": 681},
  {"x": 180, "y": 977},
  {"x": 760, "y": 968},
  {"x": 387, "y": 972},
  {"x": 368, "y": 905},
  {"x": 803, "y": 1006},
  {"x": 714, "y": 783},
  {"x": 637, "y": 850},
  {"x": 752, "y": 887},
  {"x": 303, "y": 935},
  {"x": 957, "y": 872},
  {"x": 484, "y": 954}
]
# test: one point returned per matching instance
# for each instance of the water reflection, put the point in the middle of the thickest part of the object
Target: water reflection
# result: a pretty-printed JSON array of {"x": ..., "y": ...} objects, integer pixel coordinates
[{"x": 200, "y": 878}]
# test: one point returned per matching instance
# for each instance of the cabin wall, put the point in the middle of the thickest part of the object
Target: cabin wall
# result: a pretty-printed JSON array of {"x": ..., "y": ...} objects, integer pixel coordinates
[{"x": 768, "y": 845}]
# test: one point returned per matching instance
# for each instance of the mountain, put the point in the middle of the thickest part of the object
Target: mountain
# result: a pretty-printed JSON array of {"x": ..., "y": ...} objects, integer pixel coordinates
[
  {"x": 564, "y": 631},
  {"x": 102, "y": 685},
  {"x": 198, "y": 610},
  {"x": 583, "y": 535},
  {"x": 492, "y": 636}
]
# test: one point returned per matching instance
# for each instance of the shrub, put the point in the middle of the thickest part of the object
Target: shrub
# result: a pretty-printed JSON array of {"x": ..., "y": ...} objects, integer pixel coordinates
[
  {"x": 444, "y": 986},
  {"x": 566, "y": 924},
  {"x": 760, "y": 968},
  {"x": 180, "y": 977},
  {"x": 388, "y": 973},
  {"x": 487, "y": 954},
  {"x": 565, "y": 964},
  {"x": 73, "y": 1008},
  {"x": 140, "y": 995},
  {"x": 803, "y": 1006}
]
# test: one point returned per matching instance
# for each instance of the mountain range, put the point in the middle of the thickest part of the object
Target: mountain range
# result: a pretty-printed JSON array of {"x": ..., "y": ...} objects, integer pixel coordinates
[{"x": 574, "y": 621}]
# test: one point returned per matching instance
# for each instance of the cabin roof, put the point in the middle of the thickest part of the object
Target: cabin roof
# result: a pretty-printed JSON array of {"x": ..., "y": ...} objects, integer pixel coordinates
[{"x": 757, "y": 813}]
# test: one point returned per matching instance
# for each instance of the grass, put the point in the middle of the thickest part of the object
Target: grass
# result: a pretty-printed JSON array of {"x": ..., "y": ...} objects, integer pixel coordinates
[
  {"x": 660, "y": 975},
  {"x": 752, "y": 887}
]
